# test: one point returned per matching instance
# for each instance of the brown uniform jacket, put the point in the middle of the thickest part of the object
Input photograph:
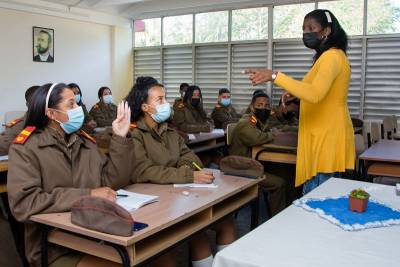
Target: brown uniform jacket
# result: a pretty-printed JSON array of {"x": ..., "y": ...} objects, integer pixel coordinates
[
  {"x": 278, "y": 120},
  {"x": 249, "y": 132},
  {"x": 222, "y": 116},
  {"x": 47, "y": 175},
  {"x": 162, "y": 156},
  {"x": 103, "y": 114},
  {"x": 192, "y": 120},
  {"x": 13, "y": 128}
]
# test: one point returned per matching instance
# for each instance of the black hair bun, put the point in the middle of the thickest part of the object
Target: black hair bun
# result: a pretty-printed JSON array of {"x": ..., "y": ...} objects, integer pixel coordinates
[{"x": 145, "y": 81}]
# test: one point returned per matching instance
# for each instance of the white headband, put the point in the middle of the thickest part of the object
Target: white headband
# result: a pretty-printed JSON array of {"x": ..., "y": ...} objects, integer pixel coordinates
[
  {"x": 328, "y": 17},
  {"x": 48, "y": 96}
]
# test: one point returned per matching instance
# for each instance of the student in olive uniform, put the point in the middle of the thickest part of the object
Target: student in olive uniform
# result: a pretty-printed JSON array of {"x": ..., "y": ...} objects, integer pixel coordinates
[
  {"x": 224, "y": 113},
  {"x": 286, "y": 115},
  {"x": 182, "y": 90},
  {"x": 52, "y": 164},
  {"x": 89, "y": 123},
  {"x": 248, "y": 110},
  {"x": 190, "y": 116},
  {"x": 14, "y": 127},
  {"x": 252, "y": 130},
  {"x": 104, "y": 112},
  {"x": 163, "y": 158}
]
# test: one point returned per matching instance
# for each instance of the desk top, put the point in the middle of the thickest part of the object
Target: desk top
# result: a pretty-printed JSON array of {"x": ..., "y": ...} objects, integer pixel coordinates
[
  {"x": 172, "y": 207},
  {"x": 384, "y": 150},
  {"x": 201, "y": 137},
  {"x": 279, "y": 147},
  {"x": 296, "y": 237}
]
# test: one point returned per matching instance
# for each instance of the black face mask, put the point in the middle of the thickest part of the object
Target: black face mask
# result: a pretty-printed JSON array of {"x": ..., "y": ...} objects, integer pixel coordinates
[
  {"x": 262, "y": 114},
  {"x": 311, "y": 40},
  {"x": 195, "y": 102}
]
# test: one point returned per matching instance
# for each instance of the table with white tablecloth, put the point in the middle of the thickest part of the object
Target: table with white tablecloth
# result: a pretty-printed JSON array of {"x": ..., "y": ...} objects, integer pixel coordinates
[{"x": 298, "y": 238}]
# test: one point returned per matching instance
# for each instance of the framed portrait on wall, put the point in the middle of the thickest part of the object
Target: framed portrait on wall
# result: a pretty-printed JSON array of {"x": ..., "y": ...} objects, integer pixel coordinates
[{"x": 43, "y": 44}]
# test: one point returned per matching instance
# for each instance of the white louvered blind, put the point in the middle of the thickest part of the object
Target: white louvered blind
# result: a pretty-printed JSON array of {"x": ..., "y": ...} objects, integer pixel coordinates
[
  {"x": 244, "y": 57},
  {"x": 354, "y": 54},
  {"x": 147, "y": 63},
  {"x": 382, "y": 90},
  {"x": 177, "y": 70},
  {"x": 291, "y": 58},
  {"x": 211, "y": 72}
]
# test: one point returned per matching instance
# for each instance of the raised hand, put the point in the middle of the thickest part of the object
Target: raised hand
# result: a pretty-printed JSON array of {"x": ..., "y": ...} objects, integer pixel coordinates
[
  {"x": 121, "y": 124},
  {"x": 259, "y": 76}
]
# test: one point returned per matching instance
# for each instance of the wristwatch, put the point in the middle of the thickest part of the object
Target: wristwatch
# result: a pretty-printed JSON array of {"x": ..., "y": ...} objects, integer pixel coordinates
[{"x": 274, "y": 75}]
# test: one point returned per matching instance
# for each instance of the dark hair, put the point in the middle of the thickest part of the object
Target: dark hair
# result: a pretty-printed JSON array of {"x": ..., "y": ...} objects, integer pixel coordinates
[
  {"x": 183, "y": 85},
  {"x": 293, "y": 101},
  {"x": 29, "y": 93},
  {"x": 258, "y": 91},
  {"x": 74, "y": 85},
  {"x": 101, "y": 91},
  {"x": 36, "y": 115},
  {"x": 257, "y": 95},
  {"x": 223, "y": 91},
  {"x": 337, "y": 38},
  {"x": 48, "y": 35},
  {"x": 139, "y": 95}
]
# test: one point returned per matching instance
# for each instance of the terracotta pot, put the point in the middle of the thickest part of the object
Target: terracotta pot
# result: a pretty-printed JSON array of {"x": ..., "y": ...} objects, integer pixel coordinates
[{"x": 357, "y": 204}]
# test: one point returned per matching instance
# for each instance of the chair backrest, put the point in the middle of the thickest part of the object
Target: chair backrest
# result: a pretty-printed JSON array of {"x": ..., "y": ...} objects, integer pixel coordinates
[
  {"x": 388, "y": 127},
  {"x": 229, "y": 130},
  {"x": 359, "y": 143},
  {"x": 12, "y": 115},
  {"x": 394, "y": 122},
  {"x": 373, "y": 132}
]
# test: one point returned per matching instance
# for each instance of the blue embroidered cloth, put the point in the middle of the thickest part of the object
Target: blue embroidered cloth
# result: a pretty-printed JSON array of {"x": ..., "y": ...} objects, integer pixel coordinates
[{"x": 336, "y": 211}]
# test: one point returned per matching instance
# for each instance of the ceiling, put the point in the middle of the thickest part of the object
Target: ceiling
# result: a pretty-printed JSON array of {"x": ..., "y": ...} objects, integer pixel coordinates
[{"x": 152, "y": 8}]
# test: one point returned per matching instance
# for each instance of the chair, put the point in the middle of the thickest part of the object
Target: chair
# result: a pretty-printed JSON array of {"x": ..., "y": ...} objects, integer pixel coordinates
[
  {"x": 229, "y": 132},
  {"x": 396, "y": 135},
  {"x": 360, "y": 148},
  {"x": 388, "y": 128},
  {"x": 373, "y": 133}
]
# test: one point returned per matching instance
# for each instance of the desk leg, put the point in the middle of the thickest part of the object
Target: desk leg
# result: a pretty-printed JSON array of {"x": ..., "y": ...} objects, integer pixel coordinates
[
  {"x": 44, "y": 244},
  {"x": 123, "y": 254},
  {"x": 254, "y": 212}
]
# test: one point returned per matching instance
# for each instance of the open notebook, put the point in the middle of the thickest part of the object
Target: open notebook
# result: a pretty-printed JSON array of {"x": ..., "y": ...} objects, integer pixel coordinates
[{"x": 134, "y": 201}]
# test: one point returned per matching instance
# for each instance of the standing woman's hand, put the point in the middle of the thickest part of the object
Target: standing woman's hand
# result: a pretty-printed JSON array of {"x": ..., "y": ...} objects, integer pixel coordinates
[
  {"x": 123, "y": 121},
  {"x": 259, "y": 76}
]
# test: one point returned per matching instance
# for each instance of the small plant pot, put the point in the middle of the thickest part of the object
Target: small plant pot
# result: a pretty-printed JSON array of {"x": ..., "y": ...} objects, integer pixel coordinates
[{"x": 358, "y": 204}]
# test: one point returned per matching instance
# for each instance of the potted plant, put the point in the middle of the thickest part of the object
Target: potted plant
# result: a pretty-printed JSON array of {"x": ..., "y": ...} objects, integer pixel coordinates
[{"x": 358, "y": 200}]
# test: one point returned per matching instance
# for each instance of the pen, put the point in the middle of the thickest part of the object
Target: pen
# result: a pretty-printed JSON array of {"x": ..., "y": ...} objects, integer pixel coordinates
[
  {"x": 196, "y": 166},
  {"x": 122, "y": 195}
]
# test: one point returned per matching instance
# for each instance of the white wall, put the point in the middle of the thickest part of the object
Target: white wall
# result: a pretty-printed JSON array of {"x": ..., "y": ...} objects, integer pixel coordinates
[{"x": 85, "y": 53}]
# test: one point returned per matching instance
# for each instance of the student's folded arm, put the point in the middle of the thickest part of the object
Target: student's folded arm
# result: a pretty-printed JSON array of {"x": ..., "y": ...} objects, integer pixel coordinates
[
  {"x": 316, "y": 90},
  {"x": 118, "y": 170},
  {"x": 252, "y": 136},
  {"x": 24, "y": 185},
  {"x": 146, "y": 171}
]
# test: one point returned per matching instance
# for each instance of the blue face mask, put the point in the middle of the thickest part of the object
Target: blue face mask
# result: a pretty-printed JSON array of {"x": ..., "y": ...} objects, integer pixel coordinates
[
  {"x": 107, "y": 99},
  {"x": 75, "y": 120},
  {"x": 225, "y": 101},
  {"x": 78, "y": 98},
  {"x": 163, "y": 113}
]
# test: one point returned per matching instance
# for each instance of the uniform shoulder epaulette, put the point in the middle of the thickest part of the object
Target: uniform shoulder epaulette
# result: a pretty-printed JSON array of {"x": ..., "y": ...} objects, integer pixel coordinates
[
  {"x": 181, "y": 105},
  {"x": 132, "y": 126},
  {"x": 87, "y": 136},
  {"x": 14, "y": 122},
  {"x": 24, "y": 135},
  {"x": 253, "y": 120}
]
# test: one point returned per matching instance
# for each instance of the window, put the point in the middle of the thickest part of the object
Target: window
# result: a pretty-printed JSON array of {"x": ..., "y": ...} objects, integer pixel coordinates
[
  {"x": 212, "y": 27},
  {"x": 288, "y": 20},
  {"x": 383, "y": 16},
  {"x": 147, "y": 32},
  {"x": 178, "y": 30},
  {"x": 250, "y": 24},
  {"x": 352, "y": 22}
]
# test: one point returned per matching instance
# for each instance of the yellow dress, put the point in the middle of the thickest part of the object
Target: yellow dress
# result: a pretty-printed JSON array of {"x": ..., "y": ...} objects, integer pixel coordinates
[{"x": 326, "y": 136}]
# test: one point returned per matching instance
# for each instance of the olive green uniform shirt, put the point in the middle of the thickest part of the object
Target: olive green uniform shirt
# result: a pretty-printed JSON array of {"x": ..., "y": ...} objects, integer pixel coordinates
[
  {"x": 223, "y": 115},
  {"x": 103, "y": 114},
  {"x": 192, "y": 120},
  {"x": 7, "y": 137}
]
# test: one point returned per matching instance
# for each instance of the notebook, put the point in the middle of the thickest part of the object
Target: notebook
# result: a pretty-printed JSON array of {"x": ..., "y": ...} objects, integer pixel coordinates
[
  {"x": 134, "y": 201},
  {"x": 4, "y": 158}
]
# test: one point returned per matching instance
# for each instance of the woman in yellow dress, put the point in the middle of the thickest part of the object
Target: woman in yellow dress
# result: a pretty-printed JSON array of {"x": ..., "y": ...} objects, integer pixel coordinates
[{"x": 326, "y": 137}]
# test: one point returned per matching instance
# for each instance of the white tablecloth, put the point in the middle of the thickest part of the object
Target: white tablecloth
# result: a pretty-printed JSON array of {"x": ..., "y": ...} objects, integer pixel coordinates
[{"x": 299, "y": 238}]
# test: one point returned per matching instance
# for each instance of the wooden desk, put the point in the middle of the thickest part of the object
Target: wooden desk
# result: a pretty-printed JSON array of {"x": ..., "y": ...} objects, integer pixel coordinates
[
  {"x": 382, "y": 158},
  {"x": 275, "y": 153},
  {"x": 171, "y": 220},
  {"x": 206, "y": 141}
]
